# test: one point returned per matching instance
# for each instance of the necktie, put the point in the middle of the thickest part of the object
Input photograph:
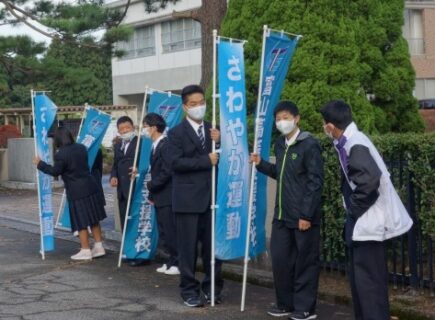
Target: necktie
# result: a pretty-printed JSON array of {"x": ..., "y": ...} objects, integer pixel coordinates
[
  {"x": 123, "y": 144},
  {"x": 342, "y": 152},
  {"x": 201, "y": 137}
]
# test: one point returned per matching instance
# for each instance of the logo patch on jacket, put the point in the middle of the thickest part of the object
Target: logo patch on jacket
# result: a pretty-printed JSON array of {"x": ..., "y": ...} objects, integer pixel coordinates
[{"x": 294, "y": 156}]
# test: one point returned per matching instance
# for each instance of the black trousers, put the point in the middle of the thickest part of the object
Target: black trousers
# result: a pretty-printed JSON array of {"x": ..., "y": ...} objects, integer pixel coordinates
[
  {"x": 122, "y": 205},
  {"x": 295, "y": 266},
  {"x": 168, "y": 233},
  {"x": 368, "y": 275},
  {"x": 192, "y": 229}
]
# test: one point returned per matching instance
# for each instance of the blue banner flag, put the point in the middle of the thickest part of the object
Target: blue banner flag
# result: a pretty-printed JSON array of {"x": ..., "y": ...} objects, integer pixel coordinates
[
  {"x": 141, "y": 237},
  {"x": 44, "y": 115},
  {"x": 91, "y": 135},
  {"x": 233, "y": 169},
  {"x": 279, "y": 50}
]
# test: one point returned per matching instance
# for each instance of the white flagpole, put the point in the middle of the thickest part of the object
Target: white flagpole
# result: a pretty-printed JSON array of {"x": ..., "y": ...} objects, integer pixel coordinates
[
  {"x": 253, "y": 171},
  {"x": 42, "y": 250},
  {"x": 130, "y": 191},
  {"x": 62, "y": 203},
  {"x": 213, "y": 179}
]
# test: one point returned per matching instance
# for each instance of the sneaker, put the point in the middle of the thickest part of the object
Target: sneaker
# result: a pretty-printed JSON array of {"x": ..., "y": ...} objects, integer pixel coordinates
[
  {"x": 278, "y": 312},
  {"x": 303, "y": 316},
  {"x": 193, "y": 302},
  {"x": 217, "y": 298},
  {"x": 98, "y": 251},
  {"x": 162, "y": 269},
  {"x": 172, "y": 271},
  {"x": 83, "y": 254}
]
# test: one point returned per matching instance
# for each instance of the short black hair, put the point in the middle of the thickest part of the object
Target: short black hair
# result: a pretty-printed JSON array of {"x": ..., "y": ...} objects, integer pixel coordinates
[
  {"x": 286, "y": 105},
  {"x": 155, "y": 120},
  {"x": 338, "y": 113},
  {"x": 190, "y": 89},
  {"x": 124, "y": 119},
  {"x": 62, "y": 137}
]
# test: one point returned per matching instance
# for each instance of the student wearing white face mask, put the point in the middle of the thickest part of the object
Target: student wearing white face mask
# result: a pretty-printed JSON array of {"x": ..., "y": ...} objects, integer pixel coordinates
[
  {"x": 295, "y": 239},
  {"x": 122, "y": 168},
  {"x": 160, "y": 189},
  {"x": 192, "y": 161}
]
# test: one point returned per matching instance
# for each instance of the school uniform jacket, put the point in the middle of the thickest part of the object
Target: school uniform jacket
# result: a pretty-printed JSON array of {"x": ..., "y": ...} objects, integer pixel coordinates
[
  {"x": 299, "y": 175},
  {"x": 122, "y": 164},
  {"x": 374, "y": 209},
  {"x": 160, "y": 186},
  {"x": 71, "y": 162},
  {"x": 191, "y": 165}
]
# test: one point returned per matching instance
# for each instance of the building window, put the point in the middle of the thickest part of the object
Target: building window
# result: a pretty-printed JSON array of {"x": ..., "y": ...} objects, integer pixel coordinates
[
  {"x": 181, "y": 34},
  {"x": 140, "y": 44},
  {"x": 413, "y": 31},
  {"x": 425, "y": 89}
]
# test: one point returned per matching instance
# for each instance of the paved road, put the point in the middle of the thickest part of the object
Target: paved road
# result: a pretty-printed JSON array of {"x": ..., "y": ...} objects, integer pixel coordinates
[{"x": 60, "y": 289}]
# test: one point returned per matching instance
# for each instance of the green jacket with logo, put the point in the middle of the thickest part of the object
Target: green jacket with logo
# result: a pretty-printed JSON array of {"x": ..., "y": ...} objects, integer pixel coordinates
[{"x": 299, "y": 174}]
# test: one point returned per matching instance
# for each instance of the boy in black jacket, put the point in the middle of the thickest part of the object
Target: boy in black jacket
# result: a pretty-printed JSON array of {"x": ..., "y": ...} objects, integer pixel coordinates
[
  {"x": 160, "y": 188},
  {"x": 295, "y": 239},
  {"x": 122, "y": 169}
]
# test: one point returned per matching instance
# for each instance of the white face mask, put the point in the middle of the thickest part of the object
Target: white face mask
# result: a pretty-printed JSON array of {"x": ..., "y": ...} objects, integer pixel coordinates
[
  {"x": 128, "y": 136},
  {"x": 285, "y": 126},
  {"x": 197, "y": 113},
  {"x": 329, "y": 134},
  {"x": 146, "y": 132}
]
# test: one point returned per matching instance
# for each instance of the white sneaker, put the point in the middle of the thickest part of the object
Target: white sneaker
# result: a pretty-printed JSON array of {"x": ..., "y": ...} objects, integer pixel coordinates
[
  {"x": 98, "y": 251},
  {"x": 83, "y": 254},
  {"x": 162, "y": 269},
  {"x": 172, "y": 271}
]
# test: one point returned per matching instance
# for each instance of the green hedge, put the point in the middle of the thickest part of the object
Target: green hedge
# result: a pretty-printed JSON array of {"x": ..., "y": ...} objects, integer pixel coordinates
[{"x": 411, "y": 159}]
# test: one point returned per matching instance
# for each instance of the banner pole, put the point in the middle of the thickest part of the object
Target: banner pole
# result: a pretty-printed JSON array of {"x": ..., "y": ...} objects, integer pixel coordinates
[
  {"x": 253, "y": 172},
  {"x": 62, "y": 203},
  {"x": 213, "y": 181},
  {"x": 42, "y": 250},
  {"x": 132, "y": 181}
]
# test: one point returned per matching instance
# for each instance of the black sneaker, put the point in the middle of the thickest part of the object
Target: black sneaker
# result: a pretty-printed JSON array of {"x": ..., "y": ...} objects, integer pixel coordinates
[
  {"x": 217, "y": 298},
  {"x": 303, "y": 316},
  {"x": 193, "y": 302},
  {"x": 278, "y": 312}
]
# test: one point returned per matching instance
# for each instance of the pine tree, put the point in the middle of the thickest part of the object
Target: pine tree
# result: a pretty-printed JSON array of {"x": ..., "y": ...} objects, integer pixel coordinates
[{"x": 77, "y": 65}]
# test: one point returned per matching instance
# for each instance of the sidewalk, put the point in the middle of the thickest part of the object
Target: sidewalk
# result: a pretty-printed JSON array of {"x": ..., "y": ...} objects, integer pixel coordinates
[
  {"x": 60, "y": 289},
  {"x": 19, "y": 208}
]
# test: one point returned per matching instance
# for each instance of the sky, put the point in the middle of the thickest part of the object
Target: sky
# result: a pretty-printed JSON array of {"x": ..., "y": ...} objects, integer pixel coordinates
[{"x": 25, "y": 30}]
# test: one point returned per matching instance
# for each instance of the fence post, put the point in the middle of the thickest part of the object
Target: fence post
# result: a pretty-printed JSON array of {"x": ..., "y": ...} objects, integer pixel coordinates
[{"x": 412, "y": 236}]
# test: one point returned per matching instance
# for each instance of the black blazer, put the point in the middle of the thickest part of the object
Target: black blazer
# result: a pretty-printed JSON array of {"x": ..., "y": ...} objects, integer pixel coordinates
[
  {"x": 121, "y": 166},
  {"x": 191, "y": 165},
  {"x": 160, "y": 186},
  {"x": 71, "y": 162}
]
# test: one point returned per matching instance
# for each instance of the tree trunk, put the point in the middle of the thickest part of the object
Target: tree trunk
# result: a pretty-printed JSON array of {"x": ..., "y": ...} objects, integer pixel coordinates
[{"x": 210, "y": 15}]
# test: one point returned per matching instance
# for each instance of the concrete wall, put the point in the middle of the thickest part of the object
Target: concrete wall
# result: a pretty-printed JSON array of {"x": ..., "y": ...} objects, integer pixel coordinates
[
  {"x": 162, "y": 71},
  {"x": 20, "y": 154},
  {"x": 4, "y": 165}
]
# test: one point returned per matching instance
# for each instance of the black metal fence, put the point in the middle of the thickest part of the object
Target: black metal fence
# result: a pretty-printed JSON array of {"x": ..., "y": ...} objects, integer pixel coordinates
[{"x": 410, "y": 256}]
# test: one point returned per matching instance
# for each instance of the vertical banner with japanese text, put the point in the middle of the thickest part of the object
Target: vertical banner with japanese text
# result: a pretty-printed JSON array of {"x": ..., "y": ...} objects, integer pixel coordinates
[
  {"x": 141, "y": 236},
  {"x": 91, "y": 135},
  {"x": 44, "y": 116},
  {"x": 279, "y": 50},
  {"x": 233, "y": 168}
]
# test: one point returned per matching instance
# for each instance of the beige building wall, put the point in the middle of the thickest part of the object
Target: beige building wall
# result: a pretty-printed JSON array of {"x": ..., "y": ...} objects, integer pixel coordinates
[{"x": 419, "y": 30}]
